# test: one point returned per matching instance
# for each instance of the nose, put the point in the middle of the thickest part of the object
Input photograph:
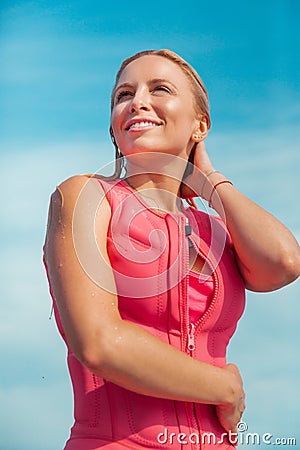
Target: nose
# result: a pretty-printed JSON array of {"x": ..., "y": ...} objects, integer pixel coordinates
[{"x": 140, "y": 101}]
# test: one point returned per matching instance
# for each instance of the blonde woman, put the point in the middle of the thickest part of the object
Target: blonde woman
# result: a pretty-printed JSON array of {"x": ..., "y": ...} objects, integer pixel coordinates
[{"x": 147, "y": 292}]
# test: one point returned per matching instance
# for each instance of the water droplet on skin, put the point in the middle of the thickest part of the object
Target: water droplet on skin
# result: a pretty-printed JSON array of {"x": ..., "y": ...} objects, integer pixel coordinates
[
  {"x": 60, "y": 264},
  {"x": 93, "y": 294},
  {"x": 112, "y": 303}
]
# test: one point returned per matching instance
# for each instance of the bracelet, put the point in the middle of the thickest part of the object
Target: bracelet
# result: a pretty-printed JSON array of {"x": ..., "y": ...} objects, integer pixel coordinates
[
  {"x": 214, "y": 188},
  {"x": 206, "y": 178},
  {"x": 211, "y": 172}
]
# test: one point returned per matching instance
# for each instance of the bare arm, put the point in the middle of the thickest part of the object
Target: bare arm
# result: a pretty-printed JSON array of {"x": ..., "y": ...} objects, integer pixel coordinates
[
  {"x": 110, "y": 347},
  {"x": 267, "y": 253}
]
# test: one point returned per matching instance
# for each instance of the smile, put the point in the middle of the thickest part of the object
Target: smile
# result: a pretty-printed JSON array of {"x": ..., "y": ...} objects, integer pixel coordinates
[{"x": 141, "y": 124}]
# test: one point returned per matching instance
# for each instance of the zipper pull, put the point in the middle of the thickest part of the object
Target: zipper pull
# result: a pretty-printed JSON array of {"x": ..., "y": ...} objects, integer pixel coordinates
[
  {"x": 187, "y": 227},
  {"x": 191, "y": 337}
]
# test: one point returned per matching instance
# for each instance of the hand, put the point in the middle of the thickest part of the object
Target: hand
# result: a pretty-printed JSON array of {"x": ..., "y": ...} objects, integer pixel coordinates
[
  {"x": 230, "y": 415},
  {"x": 191, "y": 186},
  {"x": 201, "y": 159}
]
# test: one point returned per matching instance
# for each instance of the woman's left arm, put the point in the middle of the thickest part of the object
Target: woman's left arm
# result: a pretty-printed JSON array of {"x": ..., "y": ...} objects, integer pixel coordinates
[{"x": 267, "y": 253}]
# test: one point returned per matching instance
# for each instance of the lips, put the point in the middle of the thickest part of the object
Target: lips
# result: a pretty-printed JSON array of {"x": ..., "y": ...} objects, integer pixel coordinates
[{"x": 141, "y": 123}]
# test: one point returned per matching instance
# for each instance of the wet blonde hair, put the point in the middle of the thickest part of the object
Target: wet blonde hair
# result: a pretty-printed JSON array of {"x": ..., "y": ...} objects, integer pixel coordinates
[{"x": 199, "y": 91}]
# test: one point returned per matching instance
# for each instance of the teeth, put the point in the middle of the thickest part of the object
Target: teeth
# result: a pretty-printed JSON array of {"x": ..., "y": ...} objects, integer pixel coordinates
[{"x": 142, "y": 124}]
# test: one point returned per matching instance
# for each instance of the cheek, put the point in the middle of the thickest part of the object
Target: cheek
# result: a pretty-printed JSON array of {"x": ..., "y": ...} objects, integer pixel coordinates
[
  {"x": 118, "y": 114},
  {"x": 114, "y": 119},
  {"x": 181, "y": 112}
]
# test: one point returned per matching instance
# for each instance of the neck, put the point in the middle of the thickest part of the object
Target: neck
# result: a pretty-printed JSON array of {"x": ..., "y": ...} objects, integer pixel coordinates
[
  {"x": 157, "y": 176},
  {"x": 159, "y": 192},
  {"x": 156, "y": 167}
]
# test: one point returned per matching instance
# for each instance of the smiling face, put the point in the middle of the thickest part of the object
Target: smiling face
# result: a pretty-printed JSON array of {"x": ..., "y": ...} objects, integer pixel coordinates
[{"x": 153, "y": 108}]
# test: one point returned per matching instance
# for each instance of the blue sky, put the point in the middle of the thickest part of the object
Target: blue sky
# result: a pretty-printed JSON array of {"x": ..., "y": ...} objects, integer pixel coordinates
[{"x": 58, "y": 63}]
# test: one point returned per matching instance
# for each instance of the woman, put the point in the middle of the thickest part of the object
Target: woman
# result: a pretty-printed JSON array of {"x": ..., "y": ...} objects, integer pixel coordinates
[{"x": 147, "y": 293}]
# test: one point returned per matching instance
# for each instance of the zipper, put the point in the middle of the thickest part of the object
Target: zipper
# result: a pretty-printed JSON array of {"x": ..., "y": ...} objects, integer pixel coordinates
[
  {"x": 189, "y": 345},
  {"x": 190, "y": 327},
  {"x": 193, "y": 327}
]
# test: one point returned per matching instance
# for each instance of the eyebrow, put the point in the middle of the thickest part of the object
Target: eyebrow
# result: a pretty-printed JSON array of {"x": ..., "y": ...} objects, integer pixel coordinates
[
  {"x": 162, "y": 80},
  {"x": 152, "y": 81},
  {"x": 123, "y": 85}
]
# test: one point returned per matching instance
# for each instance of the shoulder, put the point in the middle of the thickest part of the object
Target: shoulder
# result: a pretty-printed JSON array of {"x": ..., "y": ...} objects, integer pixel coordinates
[
  {"x": 72, "y": 187},
  {"x": 79, "y": 193},
  {"x": 77, "y": 186},
  {"x": 78, "y": 209}
]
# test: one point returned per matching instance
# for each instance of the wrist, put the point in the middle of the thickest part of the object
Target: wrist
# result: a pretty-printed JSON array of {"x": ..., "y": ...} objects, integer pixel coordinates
[
  {"x": 233, "y": 385},
  {"x": 208, "y": 171},
  {"x": 211, "y": 179},
  {"x": 224, "y": 385}
]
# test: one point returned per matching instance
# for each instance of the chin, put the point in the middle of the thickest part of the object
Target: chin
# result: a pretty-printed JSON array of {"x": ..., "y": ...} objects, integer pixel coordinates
[{"x": 142, "y": 148}]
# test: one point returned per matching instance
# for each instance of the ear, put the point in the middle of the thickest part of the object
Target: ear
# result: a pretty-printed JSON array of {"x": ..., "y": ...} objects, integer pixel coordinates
[{"x": 201, "y": 130}]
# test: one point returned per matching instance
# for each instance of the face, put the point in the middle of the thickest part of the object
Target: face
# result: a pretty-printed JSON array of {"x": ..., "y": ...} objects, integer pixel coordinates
[{"x": 153, "y": 108}]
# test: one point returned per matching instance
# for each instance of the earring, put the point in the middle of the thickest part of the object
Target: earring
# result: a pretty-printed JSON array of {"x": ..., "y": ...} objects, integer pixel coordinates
[{"x": 197, "y": 137}]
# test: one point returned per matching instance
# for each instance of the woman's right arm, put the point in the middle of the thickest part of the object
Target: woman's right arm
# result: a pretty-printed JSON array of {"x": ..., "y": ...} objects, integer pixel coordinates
[{"x": 115, "y": 349}]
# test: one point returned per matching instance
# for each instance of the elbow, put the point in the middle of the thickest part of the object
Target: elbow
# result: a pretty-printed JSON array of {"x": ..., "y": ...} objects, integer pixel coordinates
[
  {"x": 95, "y": 357},
  {"x": 286, "y": 270},
  {"x": 275, "y": 274},
  {"x": 290, "y": 266},
  {"x": 101, "y": 353},
  {"x": 94, "y": 361}
]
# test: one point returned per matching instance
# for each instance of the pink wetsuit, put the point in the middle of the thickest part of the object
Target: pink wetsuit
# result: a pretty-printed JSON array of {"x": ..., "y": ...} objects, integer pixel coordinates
[
  {"x": 173, "y": 304},
  {"x": 200, "y": 294}
]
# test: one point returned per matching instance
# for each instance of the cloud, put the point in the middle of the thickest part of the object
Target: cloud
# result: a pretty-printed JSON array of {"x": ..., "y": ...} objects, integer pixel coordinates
[
  {"x": 273, "y": 407},
  {"x": 41, "y": 421},
  {"x": 35, "y": 393},
  {"x": 265, "y": 348}
]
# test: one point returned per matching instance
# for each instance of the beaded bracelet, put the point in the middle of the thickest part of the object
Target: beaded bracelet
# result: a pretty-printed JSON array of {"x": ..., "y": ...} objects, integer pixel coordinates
[{"x": 214, "y": 188}]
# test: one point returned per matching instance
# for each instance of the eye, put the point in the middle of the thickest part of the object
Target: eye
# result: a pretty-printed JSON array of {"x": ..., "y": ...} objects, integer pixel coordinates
[
  {"x": 122, "y": 95},
  {"x": 162, "y": 88}
]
